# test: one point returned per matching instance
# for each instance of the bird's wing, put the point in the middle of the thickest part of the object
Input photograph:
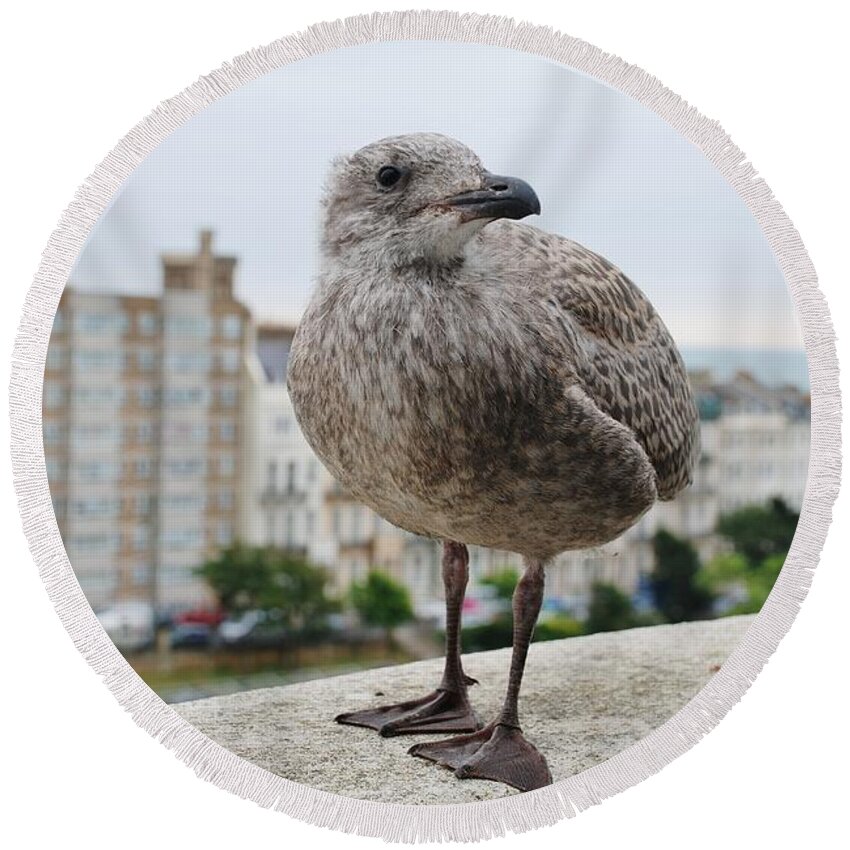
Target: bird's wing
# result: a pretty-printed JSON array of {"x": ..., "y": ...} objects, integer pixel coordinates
[{"x": 626, "y": 360}]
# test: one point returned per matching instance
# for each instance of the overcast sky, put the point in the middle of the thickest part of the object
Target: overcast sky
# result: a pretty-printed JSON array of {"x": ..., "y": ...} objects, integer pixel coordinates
[{"x": 609, "y": 174}]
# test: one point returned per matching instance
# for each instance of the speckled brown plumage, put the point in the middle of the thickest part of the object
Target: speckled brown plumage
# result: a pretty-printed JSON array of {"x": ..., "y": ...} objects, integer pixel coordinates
[
  {"x": 519, "y": 393},
  {"x": 482, "y": 381}
]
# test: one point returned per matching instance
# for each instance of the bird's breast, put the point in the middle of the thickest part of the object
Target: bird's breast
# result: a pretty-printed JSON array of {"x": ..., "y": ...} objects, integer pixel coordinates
[{"x": 452, "y": 414}]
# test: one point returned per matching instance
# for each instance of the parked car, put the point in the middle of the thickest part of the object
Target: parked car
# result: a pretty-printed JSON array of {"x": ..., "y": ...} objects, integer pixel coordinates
[
  {"x": 236, "y": 627},
  {"x": 200, "y": 616},
  {"x": 254, "y": 629},
  {"x": 130, "y": 625},
  {"x": 191, "y": 636}
]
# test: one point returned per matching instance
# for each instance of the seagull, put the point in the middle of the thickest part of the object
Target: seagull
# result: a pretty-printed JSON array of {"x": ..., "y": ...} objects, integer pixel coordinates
[{"x": 481, "y": 381}]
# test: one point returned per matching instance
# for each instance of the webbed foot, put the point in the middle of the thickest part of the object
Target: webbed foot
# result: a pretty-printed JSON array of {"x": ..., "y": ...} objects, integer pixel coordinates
[
  {"x": 439, "y": 711},
  {"x": 498, "y": 752}
]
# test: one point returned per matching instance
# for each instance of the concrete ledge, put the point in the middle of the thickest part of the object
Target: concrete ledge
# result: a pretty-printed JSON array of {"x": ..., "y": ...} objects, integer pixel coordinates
[{"x": 583, "y": 700}]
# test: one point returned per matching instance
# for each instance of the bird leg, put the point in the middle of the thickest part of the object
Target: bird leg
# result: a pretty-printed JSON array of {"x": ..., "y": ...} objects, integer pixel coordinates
[
  {"x": 500, "y": 752},
  {"x": 447, "y": 708}
]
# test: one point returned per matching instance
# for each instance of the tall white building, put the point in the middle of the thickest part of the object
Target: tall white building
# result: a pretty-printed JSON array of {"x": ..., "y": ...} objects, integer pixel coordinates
[
  {"x": 283, "y": 485},
  {"x": 141, "y": 431}
]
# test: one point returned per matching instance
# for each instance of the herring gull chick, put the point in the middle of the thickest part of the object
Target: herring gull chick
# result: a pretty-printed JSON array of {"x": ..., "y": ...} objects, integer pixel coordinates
[{"x": 483, "y": 382}]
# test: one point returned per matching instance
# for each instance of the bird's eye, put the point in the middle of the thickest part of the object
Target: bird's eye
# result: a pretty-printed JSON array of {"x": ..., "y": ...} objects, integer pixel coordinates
[{"x": 388, "y": 176}]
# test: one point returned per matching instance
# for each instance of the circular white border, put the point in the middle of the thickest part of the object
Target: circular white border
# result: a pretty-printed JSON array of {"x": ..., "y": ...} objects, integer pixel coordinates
[{"x": 462, "y": 822}]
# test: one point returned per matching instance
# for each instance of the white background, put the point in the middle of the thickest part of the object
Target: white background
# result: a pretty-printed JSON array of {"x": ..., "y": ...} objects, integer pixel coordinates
[{"x": 78, "y": 771}]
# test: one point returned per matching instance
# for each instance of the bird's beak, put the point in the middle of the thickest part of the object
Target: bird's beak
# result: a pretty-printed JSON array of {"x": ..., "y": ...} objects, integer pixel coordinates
[{"x": 498, "y": 197}]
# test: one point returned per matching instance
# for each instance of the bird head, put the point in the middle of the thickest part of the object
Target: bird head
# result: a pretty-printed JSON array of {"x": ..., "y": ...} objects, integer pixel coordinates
[{"x": 414, "y": 199}]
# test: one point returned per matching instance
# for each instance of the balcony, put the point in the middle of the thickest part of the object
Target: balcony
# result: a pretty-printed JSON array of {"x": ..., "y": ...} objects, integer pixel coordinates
[{"x": 287, "y": 496}]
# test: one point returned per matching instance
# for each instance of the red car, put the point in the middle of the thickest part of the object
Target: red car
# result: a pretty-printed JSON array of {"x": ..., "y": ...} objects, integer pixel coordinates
[{"x": 202, "y": 616}]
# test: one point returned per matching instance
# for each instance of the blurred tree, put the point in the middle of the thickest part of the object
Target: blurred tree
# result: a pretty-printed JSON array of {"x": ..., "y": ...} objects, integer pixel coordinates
[
  {"x": 762, "y": 579},
  {"x": 267, "y": 579},
  {"x": 759, "y": 531},
  {"x": 493, "y": 635},
  {"x": 678, "y": 594},
  {"x": 724, "y": 568},
  {"x": 557, "y": 628},
  {"x": 499, "y": 632},
  {"x": 381, "y": 601},
  {"x": 504, "y": 581},
  {"x": 731, "y": 569},
  {"x": 610, "y": 610}
]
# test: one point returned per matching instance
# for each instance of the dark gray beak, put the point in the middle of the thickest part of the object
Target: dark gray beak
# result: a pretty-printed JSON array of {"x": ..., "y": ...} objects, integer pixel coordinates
[{"x": 499, "y": 197}]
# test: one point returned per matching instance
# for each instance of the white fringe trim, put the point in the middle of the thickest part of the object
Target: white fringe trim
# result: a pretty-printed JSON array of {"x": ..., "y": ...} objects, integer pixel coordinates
[{"x": 406, "y": 823}]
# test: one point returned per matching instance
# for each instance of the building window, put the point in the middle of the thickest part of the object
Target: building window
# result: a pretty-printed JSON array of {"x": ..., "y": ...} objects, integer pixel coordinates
[
  {"x": 226, "y": 465},
  {"x": 96, "y": 544},
  {"x": 186, "y": 467},
  {"x": 146, "y": 395},
  {"x": 88, "y": 359},
  {"x": 282, "y": 424},
  {"x": 224, "y": 534},
  {"x": 141, "y": 575},
  {"x": 225, "y": 500},
  {"x": 271, "y": 476},
  {"x": 182, "y": 505},
  {"x": 99, "y": 436},
  {"x": 227, "y": 396},
  {"x": 141, "y": 537},
  {"x": 182, "y": 538},
  {"x": 195, "y": 362},
  {"x": 142, "y": 504},
  {"x": 144, "y": 467},
  {"x": 229, "y": 359},
  {"x": 98, "y": 396},
  {"x": 144, "y": 432},
  {"x": 231, "y": 326},
  {"x": 99, "y": 507},
  {"x": 53, "y": 432},
  {"x": 58, "y": 322},
  {"x": 97, "y": 470},
  {"x": 55, "y": 357},
  {"x": 59, "y": 507},
  {"x": 227, "y": 431},
  {"x": 186, "y": 396},
  {"x": 146, "y": 359},
  {"x": 100, "y": 323},
  {"x": 182, "y": 432},
  {"x": 55, "y": 469},
  {"x": 188, "y": 327},
  {"x": 148, "y": 324},
  {"x": 54, "y": 395}
]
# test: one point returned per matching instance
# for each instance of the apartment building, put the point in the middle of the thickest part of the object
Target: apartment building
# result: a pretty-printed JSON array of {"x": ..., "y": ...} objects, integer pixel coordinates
[
  {"x": 282, "y": 482},
  {"x": 141, "y": 430}
]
